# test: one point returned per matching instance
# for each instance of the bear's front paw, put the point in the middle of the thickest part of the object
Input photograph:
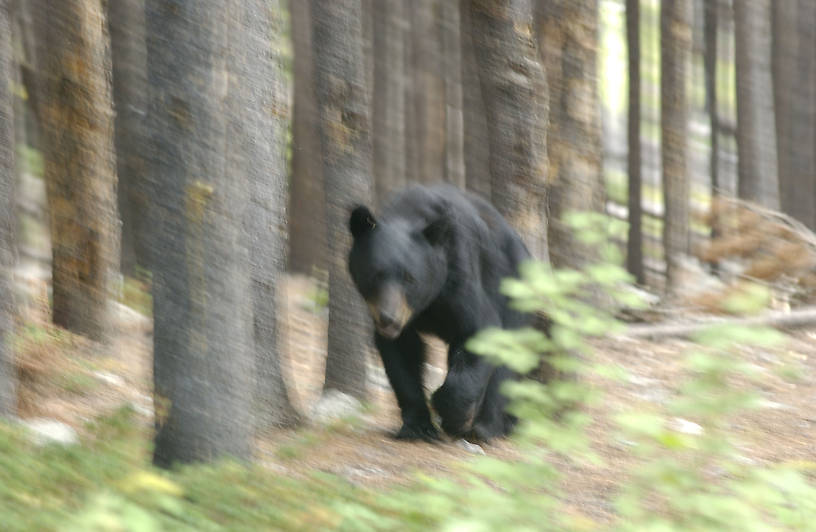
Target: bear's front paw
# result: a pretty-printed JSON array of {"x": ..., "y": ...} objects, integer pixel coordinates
[{"x": 418, "y": 431}]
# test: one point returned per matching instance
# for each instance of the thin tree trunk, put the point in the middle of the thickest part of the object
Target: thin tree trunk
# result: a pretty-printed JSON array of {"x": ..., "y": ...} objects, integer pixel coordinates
[
  {"x": 257, "y": 133},
  {"x": 452, "y": 70},
  {"x": 307, "y": 219},
  {"x": 429, "y": 90},
  {"x": 388, "y": 106},
  {"x": 710, "y": 67},
  {"x": 756, "y": 141},
  {"x": 339, "y": 80},
  {"x": 75, "y": 106},
  {"x": 476, "y": 144},
  {"x": 204, "y": 361},
  {"x": 514, "y": 88},
  {"x": 8, "y": 178},
  {"x": 568, "y": 40},
  {"x": 129, "y": 53},
  {"x": 634, "y": 241},
  {"x": 675, "y": 51}
]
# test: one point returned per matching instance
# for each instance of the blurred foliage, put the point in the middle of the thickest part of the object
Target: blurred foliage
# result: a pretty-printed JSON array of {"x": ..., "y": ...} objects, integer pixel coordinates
[{"x": 686, "y": 474}]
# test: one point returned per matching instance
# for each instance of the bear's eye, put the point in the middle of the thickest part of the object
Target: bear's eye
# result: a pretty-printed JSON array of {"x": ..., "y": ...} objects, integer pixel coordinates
[{"x": 408, "y": 278}]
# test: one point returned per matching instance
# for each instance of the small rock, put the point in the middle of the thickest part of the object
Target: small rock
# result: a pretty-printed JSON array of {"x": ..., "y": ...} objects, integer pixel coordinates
[
  {"x": 335, "y": 405},
  {"x": 685, "y": 426},
  {"x": 46, "y": 431},
  {"x": 470, "y": 447}
]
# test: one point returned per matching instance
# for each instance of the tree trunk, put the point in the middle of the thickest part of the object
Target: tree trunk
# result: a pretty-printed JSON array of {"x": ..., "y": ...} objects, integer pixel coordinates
[
  {"x": 794, "y": 101},
  {"x": 452, "y": 71},
  {"x": 634, "y": 241},
  {"x": 710, "y": 26},
  {"x": 307, "y": 219},
  {"x": 756, "y": 141},
  {"x": 129, "y": 53},
  {"x": 568, "y": 40},
  {"x": 476, "y": 144},
  {"x": 76, "y": 110},
  {"x": 514, "y": 87},
  {"x": 204, "y": 359},
  {"x": 675, "y": 51},
  {"x": 388, "y": 106},
  {"x": 257, "y": 132},
  {"x": 429, "y": 90},
  {"x": 344, "y": 128},
  {"x": 8, "y": 178}
]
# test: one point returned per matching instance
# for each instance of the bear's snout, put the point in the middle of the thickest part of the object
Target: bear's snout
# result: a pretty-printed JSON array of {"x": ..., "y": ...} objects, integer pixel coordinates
[{"x": 390, "y": 311}]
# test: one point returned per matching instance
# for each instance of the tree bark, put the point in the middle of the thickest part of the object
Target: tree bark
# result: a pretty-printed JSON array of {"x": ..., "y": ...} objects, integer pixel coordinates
[
  {"x": 675, "y": 51},
  {"x": 634, "y": 240},
  {"x": 76, "y": 110},
  {"x": 568, "y": 40},
  {"x": 8, "y": 178},
  {"x": 258, "y": 128},
  {"x": 710, "y": 26},
  {"x": 129, "y": 53},
  {"x": 307, "y": 219},
  {"x": 388, "y": 106},
  {"x": 204, "y": 357},
  {"x": 429, "y": 91},
  {"x": 794, "y": 44},
  {"x": 514, "y": 87},
  {"x": 476, "y": 144},
  {"x": 344, "y": 129},
  {"x": 452, "y": 71},
  {"x": 756, "y": 141}
]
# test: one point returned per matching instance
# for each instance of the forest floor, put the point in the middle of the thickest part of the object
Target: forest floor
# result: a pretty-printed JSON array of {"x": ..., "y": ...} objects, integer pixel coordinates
[{"x": 67, "y": 378}]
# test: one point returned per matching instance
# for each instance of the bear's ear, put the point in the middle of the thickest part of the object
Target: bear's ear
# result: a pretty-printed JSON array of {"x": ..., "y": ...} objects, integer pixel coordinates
[{"x": 361, "y": 221}]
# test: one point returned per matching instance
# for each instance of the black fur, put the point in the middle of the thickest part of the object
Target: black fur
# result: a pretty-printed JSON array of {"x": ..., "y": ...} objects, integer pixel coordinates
[{"x": 444, "y": 252}]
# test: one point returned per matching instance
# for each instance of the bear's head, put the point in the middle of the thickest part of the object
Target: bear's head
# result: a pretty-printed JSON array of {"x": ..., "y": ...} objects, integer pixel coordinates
[{"x": 398, "y": 266}]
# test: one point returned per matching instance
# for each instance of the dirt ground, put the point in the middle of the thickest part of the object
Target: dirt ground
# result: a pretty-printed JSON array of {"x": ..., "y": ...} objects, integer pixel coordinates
[{"x": 69, "y": 379}]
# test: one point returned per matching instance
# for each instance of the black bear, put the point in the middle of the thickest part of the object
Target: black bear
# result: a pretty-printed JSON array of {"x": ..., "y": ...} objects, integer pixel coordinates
[{"x": 432, "y": 263}]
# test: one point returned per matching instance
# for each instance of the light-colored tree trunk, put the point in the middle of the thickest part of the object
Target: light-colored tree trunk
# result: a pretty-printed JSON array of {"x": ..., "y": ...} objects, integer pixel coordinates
[
  {"x": 259, "y": 120},
  {"x": 129, "y": 53},
  {"x": 345, "y": 133},
  {"x": 634, "y": 241},
  {"x": 756, "y": 139},
  {"x": 568, "y": 40},
  {"x": 204, "y": 362},
  {"x": 8, "y": 179},
  {"x": 675, "y": 53},
  {"x": 76, "y": 111},
  {"x": 307, "y": 218},
  {"x": 514, "y": 88},
  {"x": 476, "y": 144},
  {"x": 388, "y": 105},
  {"x": 452, "y": 70}
]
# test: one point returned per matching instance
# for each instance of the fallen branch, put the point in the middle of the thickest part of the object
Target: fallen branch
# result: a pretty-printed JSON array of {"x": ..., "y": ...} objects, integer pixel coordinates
[{"x": 801, "y": 317}]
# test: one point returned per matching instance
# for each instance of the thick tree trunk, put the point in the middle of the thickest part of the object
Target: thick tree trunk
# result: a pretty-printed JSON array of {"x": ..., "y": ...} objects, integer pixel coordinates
[
  {"x": 756, "y": 139},
  {"x": 452, "y": 70},
  {"x": 388, "y": 106},
  {"x": 514, "y": 88},
  {"x": 75, "y": 106},
  {"x": 675, "y": 52},
  {"x": 794, "y": 45},
  {"x": 8, "y": 178},
  {"x": 476, "y": 144},
  {"x": 204, "y": 361},
  {"x": 307, "y": 219},
  {"x": 568, "y": 37},
  {"x": 634, "y": 241},
  {"x": 344, "y": 128},
  {"x": 129, "y": 53},
  {"x": 257, "y": 132}
]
